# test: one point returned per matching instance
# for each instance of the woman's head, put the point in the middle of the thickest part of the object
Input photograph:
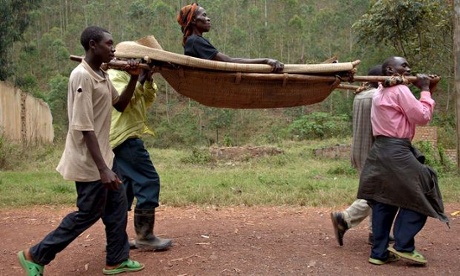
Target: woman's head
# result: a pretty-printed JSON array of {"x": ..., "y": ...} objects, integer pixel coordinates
[
  {"x": 185, "y": 17},
  {"x": 193, "y": 19}
]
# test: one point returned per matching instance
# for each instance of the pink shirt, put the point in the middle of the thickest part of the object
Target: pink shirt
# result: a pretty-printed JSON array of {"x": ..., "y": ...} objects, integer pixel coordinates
[{"x": 395, "y": 111}]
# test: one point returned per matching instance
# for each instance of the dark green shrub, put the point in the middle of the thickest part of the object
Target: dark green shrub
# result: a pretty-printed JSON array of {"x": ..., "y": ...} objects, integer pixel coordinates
[
  {"x": 198, "y": 157},
  {"x": 10, "y": 154},
  {"x": 320, "y": 125},
  {"x": 435, "y": 157}
]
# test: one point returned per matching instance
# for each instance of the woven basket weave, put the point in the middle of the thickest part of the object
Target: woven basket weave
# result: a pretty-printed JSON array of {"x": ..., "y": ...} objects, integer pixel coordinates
[{"x": 234, "y": 85}]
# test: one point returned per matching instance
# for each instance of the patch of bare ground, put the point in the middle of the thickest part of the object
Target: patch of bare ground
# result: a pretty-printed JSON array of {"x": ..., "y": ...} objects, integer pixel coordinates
[{"x": 232, "y": 241}]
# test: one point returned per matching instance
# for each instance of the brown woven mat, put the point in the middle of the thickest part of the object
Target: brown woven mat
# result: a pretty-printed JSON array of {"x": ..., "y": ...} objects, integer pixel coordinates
[{"x": 149, "y": 48}]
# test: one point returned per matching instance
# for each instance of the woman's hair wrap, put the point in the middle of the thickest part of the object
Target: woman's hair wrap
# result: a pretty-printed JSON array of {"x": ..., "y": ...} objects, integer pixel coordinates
[{"x": 184, "y": 18}]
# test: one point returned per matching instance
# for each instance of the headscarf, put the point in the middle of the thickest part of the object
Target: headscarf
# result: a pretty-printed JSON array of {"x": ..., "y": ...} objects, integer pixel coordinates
[{"x": 184, "y": 18}]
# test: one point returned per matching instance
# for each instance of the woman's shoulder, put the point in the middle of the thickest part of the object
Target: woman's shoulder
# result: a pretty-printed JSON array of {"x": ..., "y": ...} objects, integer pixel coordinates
[
  {"x": 198, "y": 46},
  {"x": 197, "y": 39}
]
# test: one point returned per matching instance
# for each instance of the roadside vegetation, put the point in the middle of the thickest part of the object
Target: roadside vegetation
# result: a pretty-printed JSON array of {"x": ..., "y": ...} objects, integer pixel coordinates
[
  {"x": 35, "y": 49},
  {"x": 292, "y": 176},
  {"x": 34, "y": 56}
]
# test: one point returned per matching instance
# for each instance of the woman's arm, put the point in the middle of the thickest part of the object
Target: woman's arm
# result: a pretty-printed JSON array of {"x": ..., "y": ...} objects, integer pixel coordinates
[{"x": 275, "y": 64}]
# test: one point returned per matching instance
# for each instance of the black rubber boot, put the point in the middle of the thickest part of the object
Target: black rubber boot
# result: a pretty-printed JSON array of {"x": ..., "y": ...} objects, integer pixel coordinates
[{"x": 144, "y": 221}]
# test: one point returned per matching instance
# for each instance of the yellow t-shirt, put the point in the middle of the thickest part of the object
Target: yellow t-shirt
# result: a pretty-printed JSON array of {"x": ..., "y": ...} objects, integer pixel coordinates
[
  {"x": 89, "y": 103},
  {"x": 132, "y": 121}
]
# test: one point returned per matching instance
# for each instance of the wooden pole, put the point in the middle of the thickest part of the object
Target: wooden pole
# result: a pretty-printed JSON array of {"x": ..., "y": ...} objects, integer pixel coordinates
[
  {"x": 120, "y": 64},
  {"x": 457, "y": 72},
  {"x": 113, "y": 64}
]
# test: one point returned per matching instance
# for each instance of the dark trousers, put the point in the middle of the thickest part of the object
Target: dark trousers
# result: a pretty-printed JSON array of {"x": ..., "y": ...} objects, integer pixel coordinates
[
  {"x": 94, "y": 201},
  {"x": 138, "y": 174},
  {"x": 406, "y": 225}
]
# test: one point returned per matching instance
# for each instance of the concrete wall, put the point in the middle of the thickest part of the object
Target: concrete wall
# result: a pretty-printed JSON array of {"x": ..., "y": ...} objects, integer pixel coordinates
[{"x": 23, "y": 118}]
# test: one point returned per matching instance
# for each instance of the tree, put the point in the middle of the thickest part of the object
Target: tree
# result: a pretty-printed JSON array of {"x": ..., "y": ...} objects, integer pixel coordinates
[
  {"x": 15, "y": 16},
  {"x": 57, "y": 100},
  {"x": 219, "y": 118},
  {"x": 421, "y": 31},
  {"x": 292, "y": 31},
  {"x": 418, "y": 30},
  {"x": 457, "y": 71}
]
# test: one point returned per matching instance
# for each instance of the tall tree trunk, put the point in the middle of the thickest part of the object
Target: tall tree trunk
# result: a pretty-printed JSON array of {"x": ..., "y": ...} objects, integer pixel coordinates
[
  {"x": 457, "y": 71},
  {"x": 265, "y": 13}
]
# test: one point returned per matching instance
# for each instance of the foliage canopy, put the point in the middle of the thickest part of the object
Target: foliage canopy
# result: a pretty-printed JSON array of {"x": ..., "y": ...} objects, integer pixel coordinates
[
  {"x": 294, "y": 31},
  {"x": 16, "y": 16}
]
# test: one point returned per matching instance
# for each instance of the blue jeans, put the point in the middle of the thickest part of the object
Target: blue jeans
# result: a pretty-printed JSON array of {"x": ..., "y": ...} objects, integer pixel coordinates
[
  {"x": 94, "y": 201},
  {"x": 138, "y": 174},
  {"x": 406, "y": 225}
]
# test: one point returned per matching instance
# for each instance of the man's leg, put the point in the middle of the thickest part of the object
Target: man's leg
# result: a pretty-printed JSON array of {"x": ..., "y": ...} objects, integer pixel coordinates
[
  {"x": 351, "y": 217},
  {"x": 136, "y": 166},
  {"x": 357, "y": 212},
  {"x": 115, "y": 221},
  {"x": 382, "y": 220},
  {"x": 407, "y": 225},
  {"x": 90, "y": 202}
]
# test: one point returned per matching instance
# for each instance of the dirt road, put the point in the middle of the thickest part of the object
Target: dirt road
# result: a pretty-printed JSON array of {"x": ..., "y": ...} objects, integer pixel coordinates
[{"x": 233, "y": 241}]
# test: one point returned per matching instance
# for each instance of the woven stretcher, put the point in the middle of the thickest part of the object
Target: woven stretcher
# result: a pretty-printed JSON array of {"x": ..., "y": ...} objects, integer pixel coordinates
[{"x": 234, "y": 85}]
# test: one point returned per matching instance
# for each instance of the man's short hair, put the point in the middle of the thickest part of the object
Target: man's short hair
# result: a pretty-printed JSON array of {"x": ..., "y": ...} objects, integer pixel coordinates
[
  {"x": 388, "y": 62},
  {"x": 375, "y": 71},
  {"x": 91, "y": 33}
]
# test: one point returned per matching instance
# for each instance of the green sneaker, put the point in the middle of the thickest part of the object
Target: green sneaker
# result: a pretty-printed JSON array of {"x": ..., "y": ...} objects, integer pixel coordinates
[
  {"x": 391, "y": 258},
  {"x": 414, "y": 256},
  {"x": 31, "y": 268},
  {"x": 126, "y": 266}
]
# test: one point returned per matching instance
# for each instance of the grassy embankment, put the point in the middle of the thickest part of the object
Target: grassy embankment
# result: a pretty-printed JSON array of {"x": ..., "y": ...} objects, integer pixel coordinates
[{"x": 296, "y": 177}]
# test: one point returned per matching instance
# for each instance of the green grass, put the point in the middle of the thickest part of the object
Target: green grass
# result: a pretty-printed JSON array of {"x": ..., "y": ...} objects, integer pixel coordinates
[
  {"x": 25, "y": 188},
  {"x": 295, "y": 178}
]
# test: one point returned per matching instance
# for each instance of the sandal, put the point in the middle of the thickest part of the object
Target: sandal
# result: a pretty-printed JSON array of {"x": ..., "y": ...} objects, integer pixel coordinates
[
  {"x": 414, "y": 256},
  {"x": 391, "y": 258},
  {"x": 31, "y": 268},
  {"x": 126, "y": 266}
]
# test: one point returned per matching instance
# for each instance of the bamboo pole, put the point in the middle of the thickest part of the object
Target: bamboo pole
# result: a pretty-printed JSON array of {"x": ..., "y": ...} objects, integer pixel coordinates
[
  {"x": 115, "y": 64},
  {"x": 348, "y": 87},
  {"x": 119, "y": 64},
  {"x": 411, "y": 79}
]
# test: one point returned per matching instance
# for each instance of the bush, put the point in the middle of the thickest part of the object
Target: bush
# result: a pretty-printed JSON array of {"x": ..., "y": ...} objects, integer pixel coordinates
[
  {"x": 10, "y": 154},
  {"x": 320, "y": 125},
  {"x": 343, "y": 169},
  {"x": 198, "y": 157},
  {"x": 435, "y": 158}
]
